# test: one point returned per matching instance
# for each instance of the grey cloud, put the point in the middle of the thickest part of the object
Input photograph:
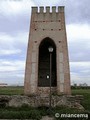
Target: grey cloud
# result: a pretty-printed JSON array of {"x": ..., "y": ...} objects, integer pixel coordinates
[
  {"x": 78, "y": 51},
  {"x": 77, "y": 11},
  {"x": 13, "y": 24}
]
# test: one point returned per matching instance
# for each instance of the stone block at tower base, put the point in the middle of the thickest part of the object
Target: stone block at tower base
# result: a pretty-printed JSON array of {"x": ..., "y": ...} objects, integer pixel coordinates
[{"x": 37, "y": 101}]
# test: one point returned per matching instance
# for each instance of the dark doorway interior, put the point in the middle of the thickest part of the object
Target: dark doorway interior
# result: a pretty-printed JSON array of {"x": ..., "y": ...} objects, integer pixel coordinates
[{"x": 44, "y": 64}]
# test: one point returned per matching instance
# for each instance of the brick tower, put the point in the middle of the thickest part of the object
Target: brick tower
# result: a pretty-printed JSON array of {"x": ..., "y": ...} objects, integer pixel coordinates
[{"x": 47, "y": 29}]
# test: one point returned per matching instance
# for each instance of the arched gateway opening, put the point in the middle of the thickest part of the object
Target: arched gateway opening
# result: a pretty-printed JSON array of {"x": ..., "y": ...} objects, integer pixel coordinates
[{"x": 44, "y": 64}]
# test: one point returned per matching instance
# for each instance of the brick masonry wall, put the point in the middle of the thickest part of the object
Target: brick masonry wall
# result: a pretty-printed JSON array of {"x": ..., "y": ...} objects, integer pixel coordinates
[{"x": 52, "y": 25}]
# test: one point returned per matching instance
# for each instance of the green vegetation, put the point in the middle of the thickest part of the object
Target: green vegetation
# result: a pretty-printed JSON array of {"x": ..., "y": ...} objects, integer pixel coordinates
[
  {"x": 12, "y": 90},
  {"x": 26, "y": 112},
  {"x": 20, "y": 113},
  {"x": 36, "y": 113},
  {"x": 86, "y": 94}
]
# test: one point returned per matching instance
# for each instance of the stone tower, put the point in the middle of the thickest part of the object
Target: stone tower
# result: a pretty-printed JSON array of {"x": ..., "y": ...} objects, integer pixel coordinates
[{"x": 47, "y": 29}]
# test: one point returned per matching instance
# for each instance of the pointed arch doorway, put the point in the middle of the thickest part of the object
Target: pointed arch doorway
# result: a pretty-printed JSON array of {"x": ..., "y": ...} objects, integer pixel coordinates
[{"x": 44, "y": 64}]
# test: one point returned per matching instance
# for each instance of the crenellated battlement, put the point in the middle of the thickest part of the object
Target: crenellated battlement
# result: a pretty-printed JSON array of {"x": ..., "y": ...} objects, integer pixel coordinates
[{"x": 47, "y": 9}]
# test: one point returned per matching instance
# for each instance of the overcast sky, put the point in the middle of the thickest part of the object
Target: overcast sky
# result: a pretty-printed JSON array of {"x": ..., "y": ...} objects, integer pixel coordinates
[{"x": 14, "y": 30}]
